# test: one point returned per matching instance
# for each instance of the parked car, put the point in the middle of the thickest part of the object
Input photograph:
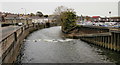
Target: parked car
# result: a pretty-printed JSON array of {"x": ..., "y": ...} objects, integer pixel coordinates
[{"x": 20, "y": 24}]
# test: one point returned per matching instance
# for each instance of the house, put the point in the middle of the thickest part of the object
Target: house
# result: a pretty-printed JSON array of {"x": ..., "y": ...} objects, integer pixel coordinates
[
  {"x": 110, "y": 19},
  {"x": 14, "y": 19},
  {"x": 115, "y": 19},
  {"x": 96, "y": 18},
  {"x": 37, "y": 19}
]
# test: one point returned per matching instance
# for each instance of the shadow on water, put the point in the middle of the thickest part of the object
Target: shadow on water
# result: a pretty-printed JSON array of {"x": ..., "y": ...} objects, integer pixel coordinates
[{"x": 19, "y": 58}]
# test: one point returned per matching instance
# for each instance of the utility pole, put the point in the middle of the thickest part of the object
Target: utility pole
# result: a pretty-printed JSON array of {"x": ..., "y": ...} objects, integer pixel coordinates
[
  {"x": 25, "y": 16},
  {"x": 24, "y": 9},
  {"x": 81, "y": 18},
  {"x": 110, "y": 15}
]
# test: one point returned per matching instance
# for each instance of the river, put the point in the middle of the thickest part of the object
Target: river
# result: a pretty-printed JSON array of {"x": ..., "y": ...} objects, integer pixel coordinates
[{"x": 49, "y": 46}]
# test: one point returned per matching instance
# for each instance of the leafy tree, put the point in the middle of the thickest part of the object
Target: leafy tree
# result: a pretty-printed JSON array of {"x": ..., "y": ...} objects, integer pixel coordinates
[
  {"x": 87, "y": 18},
  {"x": 40, "y": 14},
  {"x": 68, "y": 19},
  {"x": 46, "y": 16},
  {"x": 58, "y": 12},
  {"x": 32, "y": 14},
  {"x": 65, "y": 17}
]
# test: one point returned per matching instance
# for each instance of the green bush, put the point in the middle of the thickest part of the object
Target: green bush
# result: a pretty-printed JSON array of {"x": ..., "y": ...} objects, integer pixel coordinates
[{"x": 68, "y": 19}]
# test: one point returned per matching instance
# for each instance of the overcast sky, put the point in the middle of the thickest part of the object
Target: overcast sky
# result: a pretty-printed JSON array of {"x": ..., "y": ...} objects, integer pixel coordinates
[{"x": 84, "y": 8}]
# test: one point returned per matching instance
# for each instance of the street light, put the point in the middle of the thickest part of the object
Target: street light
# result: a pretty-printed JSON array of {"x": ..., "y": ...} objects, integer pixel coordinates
[
  {"x": 81, "y": 18},
  {"x": 24, "y": 9},
  {"x": 2, "y": 17},
  {"x": 14, "y": 21},
  {"x": 25, "y": 17},
  {"x": 110, "y": 15}
]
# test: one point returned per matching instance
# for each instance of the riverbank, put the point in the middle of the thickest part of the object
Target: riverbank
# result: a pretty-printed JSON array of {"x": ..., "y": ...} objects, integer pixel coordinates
[
  {"x": 102, "y": 36},
  {"x": 10, "y": 46},
  {"x": 48, "y": 46}
]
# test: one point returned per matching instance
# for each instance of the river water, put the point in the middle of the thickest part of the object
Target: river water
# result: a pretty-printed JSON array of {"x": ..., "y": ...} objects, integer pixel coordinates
[{"x": 49, "y": 46}]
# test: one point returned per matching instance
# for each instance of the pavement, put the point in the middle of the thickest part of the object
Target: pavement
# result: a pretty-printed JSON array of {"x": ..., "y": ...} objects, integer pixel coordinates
[{"x": 5, "y": 31}]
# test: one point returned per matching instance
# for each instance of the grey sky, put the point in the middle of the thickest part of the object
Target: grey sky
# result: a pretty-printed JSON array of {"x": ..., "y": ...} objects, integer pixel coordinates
[{"x": 84, "y": 8}]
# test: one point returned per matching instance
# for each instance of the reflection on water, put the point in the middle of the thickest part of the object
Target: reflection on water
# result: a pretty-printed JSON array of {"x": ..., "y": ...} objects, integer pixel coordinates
[
  {"x": 48, "y": 40},
  {"x": 49, "y": 46},
  {"x": 111, "y": 55}
]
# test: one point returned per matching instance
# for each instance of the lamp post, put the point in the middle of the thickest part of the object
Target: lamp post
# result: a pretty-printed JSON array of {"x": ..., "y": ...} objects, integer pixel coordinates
[
  {"x": 24, "y": 9},
  {"x": 110, "y": 15},
  {"x": 25, "y": 15},
  {"x": 14, "y": 21},
  {"x": 81, "y": 18},
  {"x": 3, "y": 18}
]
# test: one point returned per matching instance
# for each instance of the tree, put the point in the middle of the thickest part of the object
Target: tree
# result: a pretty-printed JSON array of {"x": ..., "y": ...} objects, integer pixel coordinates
[
  {"x": 68, "y": 21},
  {"x": 87, "y": 18},
  {"x": 3, "y": 17},
  {"x": 60, "y": 9},
  {"x": 67, "y": 18},
  {"x": 40, "y": 14},
  {"x": 32, "y": 14},
  {"x": 46, "y": 16}
]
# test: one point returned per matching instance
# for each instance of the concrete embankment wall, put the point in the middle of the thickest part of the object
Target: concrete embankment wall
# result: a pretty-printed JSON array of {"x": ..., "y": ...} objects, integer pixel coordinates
[
  {"x": 111, "y": 42},
  {"x": 104, "y": 37},
  {"x": 93, "y": 29},
  {"x": 10, "y": 46}
]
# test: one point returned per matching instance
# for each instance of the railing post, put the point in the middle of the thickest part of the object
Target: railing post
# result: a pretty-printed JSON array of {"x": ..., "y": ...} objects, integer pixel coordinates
[
  {"x": 118, "y": 42},
  {"x": 21, "y": 29},
  {"x": 28, "y": 25},
  {"x": 15, "y": 35}
]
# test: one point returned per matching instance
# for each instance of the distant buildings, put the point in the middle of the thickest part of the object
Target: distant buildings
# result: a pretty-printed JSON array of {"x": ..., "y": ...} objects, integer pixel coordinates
[
  {"x": 9, "y": 18},
  {"x": 98, "y": 19}
]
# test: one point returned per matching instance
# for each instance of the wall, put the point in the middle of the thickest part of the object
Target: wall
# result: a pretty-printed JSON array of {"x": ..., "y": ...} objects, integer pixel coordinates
[
  {"x": 93, "y": 29},
  {"x": 105, "y": 38},
  {"x": 10, "y": 46},
  {"x": 13, "y": 21}
]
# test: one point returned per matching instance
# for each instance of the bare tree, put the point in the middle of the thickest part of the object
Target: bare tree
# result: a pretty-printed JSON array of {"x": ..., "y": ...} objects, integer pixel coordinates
[
  {"x": 61, "y": 9},
  {"x": 59, "y": 12},
  {"x": 67, "y": 18}
]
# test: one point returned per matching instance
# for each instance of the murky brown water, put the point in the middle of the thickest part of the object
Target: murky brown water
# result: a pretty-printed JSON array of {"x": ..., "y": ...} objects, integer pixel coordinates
[{"x": 49, "y": 46}]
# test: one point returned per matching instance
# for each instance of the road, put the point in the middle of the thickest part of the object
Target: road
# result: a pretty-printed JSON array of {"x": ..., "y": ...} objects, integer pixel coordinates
[{"x": 49, "y": 46}]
